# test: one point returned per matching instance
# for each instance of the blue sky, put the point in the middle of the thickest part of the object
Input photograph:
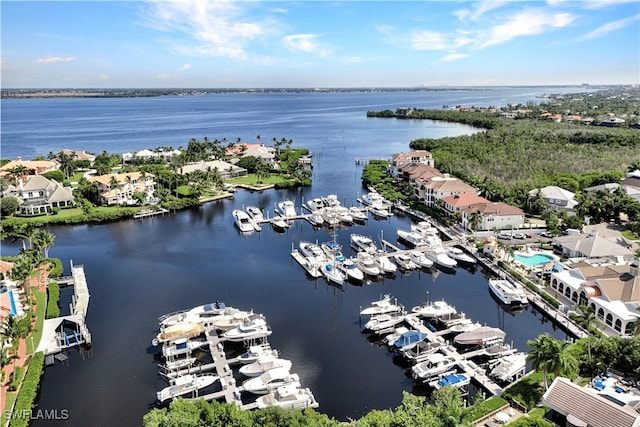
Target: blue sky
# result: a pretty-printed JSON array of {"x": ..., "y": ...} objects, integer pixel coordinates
[{"x": 237, "y": 44}]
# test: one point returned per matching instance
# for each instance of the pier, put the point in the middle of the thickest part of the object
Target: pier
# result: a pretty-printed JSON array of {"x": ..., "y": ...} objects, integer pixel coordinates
[{"x": 145, "y": 213}]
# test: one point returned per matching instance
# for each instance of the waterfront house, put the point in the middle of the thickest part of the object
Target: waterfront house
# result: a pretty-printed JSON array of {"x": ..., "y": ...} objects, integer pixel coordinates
[
  {"x": 558, "y": 198},
  {"x": 440, "y": 187},
  {"x": 402, "y": 160},
  {"x": 612, "y": 290},
  {"x": 118, "y": 189},
  {"x": 493, "y": 216},
  {"x": 32, "y": 167},
  {"x": 594, "y": 245},
  {"x": 225, "y": 169},
  {"x": 80, "y": 155},
  {"x": 573, "y": 405},
  {"x": 453, "y": 205},
  {"x": 38, "y": 195}
]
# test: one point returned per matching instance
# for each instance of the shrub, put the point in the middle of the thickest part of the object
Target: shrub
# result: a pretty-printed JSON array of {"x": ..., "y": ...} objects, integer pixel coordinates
[
  {"x": 28, "y": 390},
  {"x": 53, "y": 303},
  {"x": 481, "y": 409}
]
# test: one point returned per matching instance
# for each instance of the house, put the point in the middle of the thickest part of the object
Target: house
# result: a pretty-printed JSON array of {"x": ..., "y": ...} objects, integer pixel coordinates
[
  {"x": 454, "y": 204},
  {"x": 226, "y": 170},
  {"x": 411, "y": 157},
  {"x": 166, "y": 154},
  {"x": 80, "y": 155},
  {"x": 572, "y": 405},
  {"x": 492, "y": 216},
  {"x": 612, "y": 290},
  {"x": 440, "y": 187},
  {"x": 631, "y": 184},
  {"x": 117, "y": 189},
  {"x": 266, "y": 154},
  {"x": 33, "y": 167},
  {"x": 38, "y": 195},
  {"x": 404, "y": 111},
  {"x": 594, "y": 245},
  {"x": 558, "y": 198},
  {"x": 612, "y": 122}
]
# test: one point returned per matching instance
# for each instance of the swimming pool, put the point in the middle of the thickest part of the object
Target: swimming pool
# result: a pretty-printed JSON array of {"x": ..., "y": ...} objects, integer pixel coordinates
[{"x": 535, "y": 260}]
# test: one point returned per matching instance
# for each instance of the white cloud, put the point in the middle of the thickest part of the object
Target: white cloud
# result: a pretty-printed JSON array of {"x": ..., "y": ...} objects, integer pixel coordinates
[
  {"x": 103, "y": 77},
  {"x": 306, "y": 43},
  {"x": 526, "y": 23},
  {"x": 429, "y": 40},
  {"x": 478, "y": 9},
  {"x": 609, "y": 27},
  {"x": 185, "y": 67},
  {"x": 454, "y": 57},
  {"x": 54, "y": 59}
]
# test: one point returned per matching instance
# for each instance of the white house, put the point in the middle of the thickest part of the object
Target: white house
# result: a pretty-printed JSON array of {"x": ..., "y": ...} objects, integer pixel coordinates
[
  {"x": 493, "y": 216},
  {"x": 39, "y": 195},
  {"x": 558, "y": 198},
  {"x": 117, "y": 189}
]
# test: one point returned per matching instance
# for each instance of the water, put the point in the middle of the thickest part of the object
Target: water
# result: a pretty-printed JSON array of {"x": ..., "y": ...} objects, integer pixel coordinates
[{"x": 139, "y": 270}]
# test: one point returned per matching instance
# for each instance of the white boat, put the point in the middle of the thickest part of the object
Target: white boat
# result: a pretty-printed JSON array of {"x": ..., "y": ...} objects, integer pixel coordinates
[
  {"x": 358, "y": 215},
  {"x": 242, "y": 220},
  {"x": 404, "y": 261},
  {"x": 412, "y": 238},
  {"x": 257, "y": 217},
  {"x": 408, "y": 340},
  {"x": 312, "y": 251},
  {"x": 251, "y": 329},
  {"x": 460, "y": 256},
  {"x": 375, "y": 200},
  {"x": 439, "y": 256},
  {"x": 331, "y": 200},
  {"x": 350, "y": 270},
  {"x": 452, "y": 379},
  {"x": 509, "y": 366},
  {"x": 332, "y": 274},
  {"x": 179, "y": 330},
  {"x": 288, "y": 396},
  {"x": 422, "y": 350},
  {"x": 233, "y": 320},
  {"x": 255, "y": 352},
  {"x": 508, "y": 292},
  {"x": 425, "y": 229},
  {"x": 392, "y": 337},
  {"x": 420, "y": 259},
  {"x": 434, "y": 309},
  {"x": 182, "y": 346},
  {"x": 465, "y": 326},
  {"x": 384, "y": 305},
  {"x": 363, "y": 243},
  {"x": 329, "y": 216},
  {"x": 185, "y": 384},
  {"x": 270, "y": 380},
  {"x": 286, "y": 208},
  {"x": 264, "y": 364},
  {"x": 366, "y": 263},
  {"x": 177, "y": 364},
  {"x": 333, "y": 250},
  {"x": 384, "y": 263},
  {"x": 311, "y": 266},
  {"x": 315, "y": 219},
  {"x": 484, "y": 335},
  {"x": 343, "y": 214},
  {"x": 204, "y": 314},
  {"x": 434, "y": 365},
  {"x": 380, "y": 213},
  {"x": 383, "y": 322},
  {"x": 279, "y": 223},
  {"x": 314, "y": 205}
]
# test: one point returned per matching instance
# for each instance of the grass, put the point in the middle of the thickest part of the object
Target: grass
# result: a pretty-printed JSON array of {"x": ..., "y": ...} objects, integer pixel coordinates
[
  {"x": 36, "y": 333},
  {"x": 10, "y": 399},
  {"x": 70, "y": 214},
  {"x": 252, "y": 179}
]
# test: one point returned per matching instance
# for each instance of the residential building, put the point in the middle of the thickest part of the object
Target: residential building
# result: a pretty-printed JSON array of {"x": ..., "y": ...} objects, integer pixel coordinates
[
  {"x": 80, "y": 155},
  {"x": 492, "y": 216},
  {"x": 225, "y": 169},
  {"x": 38, "y": 195},
  {"x": 118, "y": 189},
  {"x": 454, "y": 204},
  {"x": 612, "y": 122},
  {"x": 594, "y": 245},
  {"x": 166, "y": 154},
  {"x": 558, "y": 198},
  {"x": 440, "y": 187},
  {"x": 400, "y": 160},
  {"x": 33, "y": 167}
]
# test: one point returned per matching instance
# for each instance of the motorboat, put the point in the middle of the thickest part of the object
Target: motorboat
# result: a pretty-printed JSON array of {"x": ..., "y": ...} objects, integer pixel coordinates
[
  {"x": 404, "y": 261},
  {"x": 384, "y": 263},
  {"x": 312, "y": 251},
  {"x": 255, "y": 213},
  {"x": 179, "y": 330},
  {"x": 314, "y": 205},
  {"x": 255, "y": 352},
  {"x": 434, "y": 309},
  {"x": 289, "y": 396},
  {"x": 380, "y": 213},
  {"x": 460, "y": 256},
  {"x": 264, "y": 364},
  {"x": 172, "y": 365},
  {"x": 242, "y": 220},
  {"x": 251, "y": 329},
  {"x": 182, "y": 346},
  {"x": 363, "y": 243},
  {"x": 509, "y": 366},
  {"x": 286, "y": 208},
  {"x": 185, "y": 384},
  {"x": 425, "y": 228},
  {"x": 384, "y": 305},
  {"x": 508, "y": 292},
  {"x": 343, "y": 214},
  {"x": 465, "y": 326},
  {"x": 484, "y": 335},
  {"x": 420, "y": 259},
  {"x": 331, "y": 200},
  {"x": 358, "y": 215},
  {"x": 279, "y": 223},
  {"x": 389, "y": 339},
  {"x": 408, "y": 340},
  {"x": 366, "y": 263},
  {"x": 453, "y": 379},
  {"x": 227, "y": 322},
  {"x": 310, "y": 265},
  {"x": 420, "y": 351},
  {"x": 438, "y": 255},
  {"x": 412, "y": 238},
  {"x": 332, "y": 274},
  {"x": 434, "y": 365},
  {"x": 270, "y": 380},
  {"x": 330, "y": 217},
  {"x": 204, "y": 314},
  {"x": 315, "y": 219},
  {"x": 383, "y": 322},
  {"x": 375, "y": 200},
  {"x": 333, "y": 250},
  {"x": 350, "y": 270}
]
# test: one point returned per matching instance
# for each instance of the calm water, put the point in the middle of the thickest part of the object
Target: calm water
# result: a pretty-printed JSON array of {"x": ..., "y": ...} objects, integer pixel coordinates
[{"x": 139, "y": 270}]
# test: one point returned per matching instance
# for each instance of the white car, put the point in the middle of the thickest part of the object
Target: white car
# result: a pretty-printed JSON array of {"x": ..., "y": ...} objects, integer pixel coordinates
[
  {"x": 520, "y": 236},
  {"x": 505, "y": 236}
]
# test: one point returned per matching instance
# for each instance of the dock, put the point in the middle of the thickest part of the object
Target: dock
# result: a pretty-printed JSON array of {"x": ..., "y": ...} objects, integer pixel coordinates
[
  {"x": 145, "y": 213},
  {"x": 311, "y": 269}
]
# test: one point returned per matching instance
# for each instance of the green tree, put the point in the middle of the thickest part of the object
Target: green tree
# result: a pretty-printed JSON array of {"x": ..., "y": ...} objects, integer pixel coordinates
[
  {"x": 9, "y": 205},
  {"x": 541, "y": 354}
]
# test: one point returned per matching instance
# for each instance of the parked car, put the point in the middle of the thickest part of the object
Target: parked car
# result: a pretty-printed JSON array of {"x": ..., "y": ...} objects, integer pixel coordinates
[
  {"x": 547, "y": 234},
  {"x": 505, "y": 236},
  {"x": 519, "y": 236},
  {"x": 528, "y": 235}
]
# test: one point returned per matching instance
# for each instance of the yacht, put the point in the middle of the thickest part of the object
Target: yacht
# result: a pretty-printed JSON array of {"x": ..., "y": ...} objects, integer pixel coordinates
[
  {"x": 404, "y": 261},
  {"x": 286, "y": 208},
  {"x": 438, "y": 255},
  {"x": 185, "y": 384},
  {"x": 255, "y": 352},
  {"x": 358, "y": 215},
  {"x": 270, "y": 380},
  {"x": 383, "y": 322},
  {"x": 333, "y": 250},
  {"x": 200, "y": 314},
  {"x": 343, "y": 215},
  {"x": 422, "y": 350},
  {"x": 331, "y": 200},
  {"x": 182, "y": 346},
  {"x": 509, "y": 366},
  {"x": 425, "y": 228},
  {"x": 380, "y": 213},
  {"x": 412, "y": 238},
  {"x": 332, "y": 274},
  {"x": 460, "y": 256},
  {"x": 251, "y": 329},
  {"x": 330, "y": 216},
  {"x": 264, "y": 364},
  {"x": 451, "y": 379},
  {"x": 288, "y": 396},
  {"x": 484, "y": 335},
  {"x": 312, "y": 251},
  {"x": 230, "y": 321},
  {"x": 384, "y": 305},
  {"x": 350, "y": 270},
  {"x": 255, "y": 213},
  {"x": 366, "y": 263},
  {"x": 179, "y": 330},
  {"x": 314, "y": 205},
  {"x": 384, "y": 264},
  {"x": 363, "y": 243},
  {"x": 375, "y": 200},
  {"x": 315, "y": 219},
  {"x": 434, "y": 365},
  {"x": 467, "y": 325},
  {"x": 420, "y": 259},
  {"x": 508, "y": 292},
  {"x": 279, "y": 223},
  {"x": 242, "y": 220},
  {"x": 434, "y": 309}
]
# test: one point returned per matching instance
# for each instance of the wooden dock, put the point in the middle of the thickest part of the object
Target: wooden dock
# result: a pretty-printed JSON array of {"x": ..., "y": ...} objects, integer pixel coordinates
[{"x": 145, "y": 213}]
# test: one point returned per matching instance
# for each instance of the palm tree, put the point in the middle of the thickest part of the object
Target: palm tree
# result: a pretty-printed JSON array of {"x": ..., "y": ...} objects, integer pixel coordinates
[
  {"x": 474, "y": 220},
  {"x": 114, "y": 184},
  {"x": 11, "y": 330},
  {"x": 540, "y": 354},
  {"x": 44, "y": 240},
  {"x": 18, "y": 173}
]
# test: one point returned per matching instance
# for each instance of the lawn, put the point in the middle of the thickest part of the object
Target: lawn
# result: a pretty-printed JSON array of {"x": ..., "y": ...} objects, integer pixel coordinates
[
  {"x": 36, "y": 333},
  {"x": 252, "y": 179}
]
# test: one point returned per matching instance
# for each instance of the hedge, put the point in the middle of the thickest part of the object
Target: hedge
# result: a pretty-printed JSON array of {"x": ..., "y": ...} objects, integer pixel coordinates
[
  {"x": 55, "y": 267},
  {"x": 53, "y": 303},
  {"x": 28, "y": 391},
  {"x": 481, "y": 409}
]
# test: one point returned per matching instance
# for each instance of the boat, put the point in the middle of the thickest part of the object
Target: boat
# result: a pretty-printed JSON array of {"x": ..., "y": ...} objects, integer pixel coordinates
[
  {"x": 255, "y": 352},
  {"x": 249, "y": 330},
  {"x": 330, "y": 217},
  {"x": 227, "y": 322},
  {"x": 286, "y": 208},
  {"x": 204, "y": 314},
  {"x": 384, "y": 264},
  {"x": 434, "y": 309},
  {"x": 393, "y": 336},
  {"x": 256, "y": 216},
  {"x": 311, "y": 266},
  {"x": 279, "y": 223},
  {"x": 451, "y": 379},
  {"x": 185, "y": 384},
  {"x": 289, "y": 396},
  {"x": 383, "y": 322},
  {"x": 508, "y": 292},
  {"x": 408, "y": 340},
  {"x": 484, "y": 335},
  {"x": 331, "y": 200},
  {"x": 343, "y": 215},
  {"x": 270, "y": 380},
  {"x": 358, "y": 215},
  {"x": 412, "y": 238},
  {"x": 312, "y": 251},
  {"x": 332, "y": 274},
  {"x": 177, "y": 364},
  {"x": 434, "y": 365},
  {"x": 315, "y": 219},
  {"x": 182, "y": 346},
  {"x": 264, "y": 364},
  {"x": 375, "y": 200},
  {"x": 242, "y": 220},
  {"x": 350, "y": 270},
  {"x": 333, "y": 250},
  {"x": 314, "y": 205},
  {"x": 180, "y": 330},
  {"x": 420, "y": 351},
  {"x": 363, "y": 243},
  {"x": 420, "y": 259},
  {"x": 509, "y": 366},
  {"x": 439, "y": 256},
  {"x": 366, "y": 263},
  {"x": 384, "y": 305},
  {"x": 460, "y": 256},
  {"x": 425, "y": 228},
  {"x": 404, "y": 261},
  {"x": 380, "y": 213},
  {"x": 465, "y": 326}
]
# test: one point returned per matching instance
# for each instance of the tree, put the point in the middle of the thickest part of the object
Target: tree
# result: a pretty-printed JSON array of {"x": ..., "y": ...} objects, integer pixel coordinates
[
  {"x": 540, "y": 354},
  {"x": 474, "y": 220},
  {"x": 9, "y": 205},
  {"x": 44, "y": 240},
  {"x": 18, "y": 173},
  {"x": 11, "y": 329},
  {"x": 67, "y": 165}
]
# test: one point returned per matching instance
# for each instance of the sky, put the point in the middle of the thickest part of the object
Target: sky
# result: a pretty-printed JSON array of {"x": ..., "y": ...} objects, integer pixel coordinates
[{"x": 317, "y": 44}]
